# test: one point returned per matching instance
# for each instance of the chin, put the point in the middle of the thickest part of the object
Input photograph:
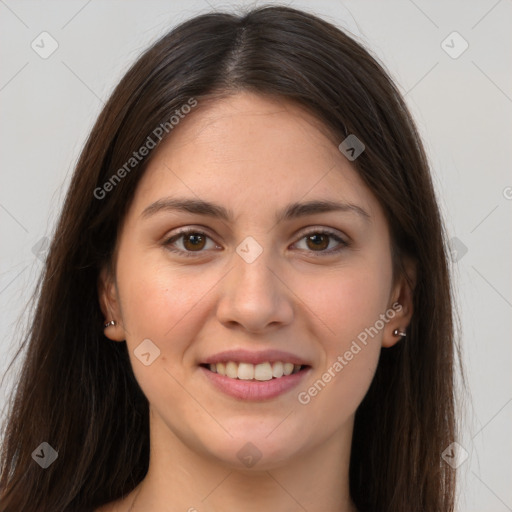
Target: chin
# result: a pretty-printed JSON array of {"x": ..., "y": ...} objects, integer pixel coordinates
[{"x": 256, "y": 449}]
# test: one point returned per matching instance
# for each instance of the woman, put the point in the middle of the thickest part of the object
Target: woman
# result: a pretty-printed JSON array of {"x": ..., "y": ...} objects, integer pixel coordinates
[{"x": 246, "y": 304}]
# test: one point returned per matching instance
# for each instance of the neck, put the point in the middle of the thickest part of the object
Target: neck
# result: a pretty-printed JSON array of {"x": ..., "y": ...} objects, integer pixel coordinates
[{"x": 181, "y": 479}]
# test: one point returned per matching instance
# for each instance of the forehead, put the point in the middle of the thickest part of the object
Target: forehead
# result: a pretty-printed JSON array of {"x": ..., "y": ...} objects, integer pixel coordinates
[{"x": 249, "y": 151}]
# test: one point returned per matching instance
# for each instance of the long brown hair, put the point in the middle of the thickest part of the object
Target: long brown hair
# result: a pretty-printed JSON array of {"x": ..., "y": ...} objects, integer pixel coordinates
[{"x": 77, "y": 390}]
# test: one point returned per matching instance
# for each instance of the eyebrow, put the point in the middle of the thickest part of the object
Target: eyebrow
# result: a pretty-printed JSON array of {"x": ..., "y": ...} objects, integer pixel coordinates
[{"x": 289, "y": 212}]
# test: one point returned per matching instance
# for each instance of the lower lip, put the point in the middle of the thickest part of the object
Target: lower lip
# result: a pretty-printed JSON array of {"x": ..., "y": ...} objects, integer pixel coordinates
[{"x": 254, "y": 389}]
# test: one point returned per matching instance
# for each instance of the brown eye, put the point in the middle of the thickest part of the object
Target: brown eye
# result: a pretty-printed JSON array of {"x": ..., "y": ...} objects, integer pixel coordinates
[
  {"x": 190, "y": 243},
  {"x": 193, "y": 241},
  {"x": 318, "y": 241}
]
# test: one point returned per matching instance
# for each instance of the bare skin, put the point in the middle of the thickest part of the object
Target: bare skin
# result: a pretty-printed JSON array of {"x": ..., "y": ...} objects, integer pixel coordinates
[{"x": 253, "y": 156}]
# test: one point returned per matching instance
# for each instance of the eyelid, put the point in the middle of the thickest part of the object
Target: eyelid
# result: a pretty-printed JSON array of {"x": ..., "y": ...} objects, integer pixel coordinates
[{"x": 322, "y": 229}]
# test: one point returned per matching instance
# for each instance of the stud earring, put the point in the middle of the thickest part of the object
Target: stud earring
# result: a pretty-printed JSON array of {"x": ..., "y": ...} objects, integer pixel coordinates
[
  {"x": 108, "y": 324},
  {"x": 398, "y": 332}
]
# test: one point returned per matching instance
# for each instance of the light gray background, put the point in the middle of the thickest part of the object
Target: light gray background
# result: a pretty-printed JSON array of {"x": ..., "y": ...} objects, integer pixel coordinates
[{"x": 462, "y": 106}]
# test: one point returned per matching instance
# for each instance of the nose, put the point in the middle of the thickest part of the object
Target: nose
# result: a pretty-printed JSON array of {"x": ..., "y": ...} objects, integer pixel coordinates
[{"x": 255, "y": 297}]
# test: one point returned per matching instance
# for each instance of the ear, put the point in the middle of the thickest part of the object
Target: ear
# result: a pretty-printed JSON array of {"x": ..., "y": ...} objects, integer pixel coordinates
[
  {"x": 401, "y": 302},
  {"x": 109, "y": 304}
]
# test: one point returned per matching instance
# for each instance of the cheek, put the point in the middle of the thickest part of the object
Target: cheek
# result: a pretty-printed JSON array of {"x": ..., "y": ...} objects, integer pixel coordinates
[
  {"x": 347, "y": 301},
  {"x": 166, "y": 306},
  {"x": 347, "y": 307},
  {"x": 162, "y": 302}
]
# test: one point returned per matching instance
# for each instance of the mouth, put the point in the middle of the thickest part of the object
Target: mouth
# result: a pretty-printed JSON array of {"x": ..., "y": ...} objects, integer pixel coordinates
[
  {"x": 261, "y": 372},
  {"x": 259, "y": 380},
  {"x": 254, "y": 375}
]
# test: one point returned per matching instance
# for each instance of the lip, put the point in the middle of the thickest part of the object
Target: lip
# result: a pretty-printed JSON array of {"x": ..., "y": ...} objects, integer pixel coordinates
[
  {"x": 263, "y": 356},
  {"x": 253, "y": 390}
]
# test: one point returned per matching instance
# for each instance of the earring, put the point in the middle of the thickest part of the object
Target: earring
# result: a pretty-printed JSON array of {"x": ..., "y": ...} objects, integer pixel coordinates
[
  {"x": 397, "y": 332},
  {"x": 108, "y": 324}
]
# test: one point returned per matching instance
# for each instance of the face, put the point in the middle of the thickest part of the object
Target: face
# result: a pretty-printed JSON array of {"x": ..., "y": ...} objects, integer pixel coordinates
[{"x": 253, "y": 280}]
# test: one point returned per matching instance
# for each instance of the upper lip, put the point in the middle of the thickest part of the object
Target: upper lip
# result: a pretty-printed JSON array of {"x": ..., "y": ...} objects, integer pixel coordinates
[{"x": 248, "y": 356}]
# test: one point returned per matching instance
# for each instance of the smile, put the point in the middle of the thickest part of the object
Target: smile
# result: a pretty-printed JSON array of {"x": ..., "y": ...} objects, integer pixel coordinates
[{"x": 254, "y": 382}]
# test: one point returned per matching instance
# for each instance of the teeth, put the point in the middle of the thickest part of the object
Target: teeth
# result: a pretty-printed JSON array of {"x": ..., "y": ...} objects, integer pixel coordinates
[
  {"x": 288, "y": 368},
  {"x": 261, "y": 372},
  {"x": 232, "y": 370},
  {"x": 245, "y": 371},
  {"x": 221, "y": 368},
  {"x": 277, "y": 369}
]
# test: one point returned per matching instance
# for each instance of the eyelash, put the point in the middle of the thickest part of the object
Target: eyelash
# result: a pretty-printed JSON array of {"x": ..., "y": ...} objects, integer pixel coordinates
[{"x": 191, "y": 254}]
